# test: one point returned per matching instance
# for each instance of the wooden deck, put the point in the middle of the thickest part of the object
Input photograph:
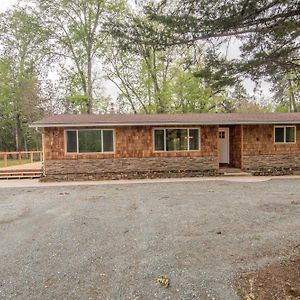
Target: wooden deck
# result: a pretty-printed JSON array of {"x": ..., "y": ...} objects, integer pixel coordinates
[{"x": 32, "y": 170}]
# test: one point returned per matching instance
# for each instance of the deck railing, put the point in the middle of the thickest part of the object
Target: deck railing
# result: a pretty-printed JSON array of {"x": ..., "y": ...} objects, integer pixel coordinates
[{"x": 19, "y": 158}]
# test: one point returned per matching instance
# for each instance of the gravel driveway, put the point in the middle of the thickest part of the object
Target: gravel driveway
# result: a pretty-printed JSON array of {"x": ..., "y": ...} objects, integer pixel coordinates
[{"x": 113, "y": 241}]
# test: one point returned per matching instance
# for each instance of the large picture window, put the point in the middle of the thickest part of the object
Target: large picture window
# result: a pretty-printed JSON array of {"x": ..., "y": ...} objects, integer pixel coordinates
[
  {"x": 285, "y": 134},
  {"x": 176, "y": 139},
  {"x": 89, "y": 141}
]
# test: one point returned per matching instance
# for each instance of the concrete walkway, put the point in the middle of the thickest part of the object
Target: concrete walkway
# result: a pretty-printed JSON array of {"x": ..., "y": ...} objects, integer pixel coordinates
[{"x": 37, "y": 183}]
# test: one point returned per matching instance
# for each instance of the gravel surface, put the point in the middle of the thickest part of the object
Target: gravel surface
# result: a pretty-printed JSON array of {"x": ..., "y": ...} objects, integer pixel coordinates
[{"x": 113, "y": 241}]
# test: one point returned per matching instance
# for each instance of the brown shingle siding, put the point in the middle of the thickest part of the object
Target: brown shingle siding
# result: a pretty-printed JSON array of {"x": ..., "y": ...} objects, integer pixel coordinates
[
  {"x": 259, "y": 140},
  {"x": 130, "y": 141}
]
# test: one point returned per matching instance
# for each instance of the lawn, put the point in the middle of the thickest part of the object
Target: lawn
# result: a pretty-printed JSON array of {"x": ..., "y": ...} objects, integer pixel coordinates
[{"x": 14, "y": 162}]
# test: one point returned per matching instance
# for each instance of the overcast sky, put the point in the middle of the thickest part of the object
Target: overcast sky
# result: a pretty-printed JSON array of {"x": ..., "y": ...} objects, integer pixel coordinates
[{"x": 5, "y": 4}]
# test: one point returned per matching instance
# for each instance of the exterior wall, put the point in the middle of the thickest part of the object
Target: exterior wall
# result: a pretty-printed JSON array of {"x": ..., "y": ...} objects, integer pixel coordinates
[
  {"x": 252, "y": 148},
  {"x": 133, "y": 154},
  {"x": 235, "y": 146},
  {"x": 260, "y": 152}
]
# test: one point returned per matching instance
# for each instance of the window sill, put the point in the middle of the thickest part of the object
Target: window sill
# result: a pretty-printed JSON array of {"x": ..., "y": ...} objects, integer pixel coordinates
[
  {"x": 286, "y": 143},
  {"x": 89, "y": 153},
  {"x": 178, "y": 151}
]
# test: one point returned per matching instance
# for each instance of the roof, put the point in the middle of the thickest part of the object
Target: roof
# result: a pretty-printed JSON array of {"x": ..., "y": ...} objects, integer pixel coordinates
[{"x": 167, "y": 119}]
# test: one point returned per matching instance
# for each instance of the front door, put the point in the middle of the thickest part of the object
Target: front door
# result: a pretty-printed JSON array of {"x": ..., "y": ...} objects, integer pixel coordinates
[{"x": 224, "y": 145}]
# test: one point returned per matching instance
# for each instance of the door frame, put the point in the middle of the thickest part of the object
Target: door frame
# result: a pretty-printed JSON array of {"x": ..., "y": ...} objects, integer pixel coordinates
[{"x": 226, "y": 129}]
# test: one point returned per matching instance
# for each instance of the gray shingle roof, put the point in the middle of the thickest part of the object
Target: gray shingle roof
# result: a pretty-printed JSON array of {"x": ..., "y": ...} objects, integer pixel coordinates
[{"x": 167, "y": 119}]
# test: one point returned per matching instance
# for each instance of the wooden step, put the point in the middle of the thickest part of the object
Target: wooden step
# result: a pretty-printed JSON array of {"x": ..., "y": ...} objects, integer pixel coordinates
[
  {"x": 20, "y": 170},
  {"x": 20, "y": 174},
  {"x": 20, "y": 177}
]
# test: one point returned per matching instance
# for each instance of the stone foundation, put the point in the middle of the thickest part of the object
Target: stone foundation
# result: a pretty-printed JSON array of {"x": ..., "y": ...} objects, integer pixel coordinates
[
  {"x": 131, "y": 168},
  {"x": 264, "y": 165},
  {"x": 129, "y": 175},
  {"x": 272, "y": 172}
]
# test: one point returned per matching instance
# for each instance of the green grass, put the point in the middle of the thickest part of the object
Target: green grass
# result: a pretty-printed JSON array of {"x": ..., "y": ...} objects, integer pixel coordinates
[{"x": 14, "y": 162}]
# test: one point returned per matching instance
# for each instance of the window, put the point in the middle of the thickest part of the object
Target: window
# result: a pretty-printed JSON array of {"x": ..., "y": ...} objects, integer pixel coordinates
[
  {"x": 72, "y": 141},
  {"x": 108, "y": 141},
  {"x": 176, "y": 139},
  {"x": 193, "y": 139},
  {"x": 285, "y": 134},
  {"x": 159, "y": 140},
  {"x": 222, "y": 134},
  {"x": 89, "y": 141}
]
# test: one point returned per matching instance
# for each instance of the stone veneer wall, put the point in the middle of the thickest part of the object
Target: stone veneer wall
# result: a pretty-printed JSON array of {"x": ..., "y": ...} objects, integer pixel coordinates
[
  {"x": 133, "y": 158},
  {"x": 263, "y": 156},
  {"x": 117, "y": 168}
]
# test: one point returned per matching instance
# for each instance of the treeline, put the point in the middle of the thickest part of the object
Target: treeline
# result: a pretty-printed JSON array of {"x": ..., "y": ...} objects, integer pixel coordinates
[{"x": 161, "y": 56}]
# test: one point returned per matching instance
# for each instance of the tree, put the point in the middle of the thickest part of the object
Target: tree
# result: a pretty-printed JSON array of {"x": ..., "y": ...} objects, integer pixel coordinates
[
  {"x": 156, "y": 79},
  {"x": 170, "y": 81},
  {"x": 76, "y": 29},
  {"x": 23, "y": 51},
  {"x": 287, "y": 91},
  {"x": 268, "y": 29},
  {"x": 142, "y": 78},
  {"x": 7, "y": 122}
]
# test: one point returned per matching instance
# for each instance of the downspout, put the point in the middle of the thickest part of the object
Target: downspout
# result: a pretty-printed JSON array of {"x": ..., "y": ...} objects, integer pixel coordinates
[
  {"x": 242, "y": 147},
  {"x": 43, "y": 155}
]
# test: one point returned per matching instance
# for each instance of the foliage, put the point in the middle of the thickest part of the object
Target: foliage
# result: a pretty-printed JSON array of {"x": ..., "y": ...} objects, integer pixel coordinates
[
  {"x": 156, "y": 80},
  {"x": 268, "y": 29},
  {"x": 287, "y": 92},
  {"x": 22, "y": 55},
  {"x": 76, "y": 29},
  {"x": 162, "y": 56},
  {"x": 267, "y": 32}
]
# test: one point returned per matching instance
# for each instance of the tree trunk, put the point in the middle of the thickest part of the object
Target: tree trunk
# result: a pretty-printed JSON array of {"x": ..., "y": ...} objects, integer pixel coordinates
[
  {"x": 151, "y": 65},
  {"x": 90, "y": 87},
  {"x": 25, "y": 144},
  {"x": 293, "y": 104},
  {"x": 18, "y": 133}
]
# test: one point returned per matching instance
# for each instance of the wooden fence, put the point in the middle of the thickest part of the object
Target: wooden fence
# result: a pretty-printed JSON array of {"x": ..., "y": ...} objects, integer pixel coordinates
[{"x": 20, "y": 157}]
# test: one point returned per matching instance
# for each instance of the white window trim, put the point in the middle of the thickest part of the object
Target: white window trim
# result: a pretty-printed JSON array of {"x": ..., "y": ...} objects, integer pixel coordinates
[
  {"x": 90, "y": 153},
  {"x": 284, "y": 127},
  {"x": 165, "y": 135}
]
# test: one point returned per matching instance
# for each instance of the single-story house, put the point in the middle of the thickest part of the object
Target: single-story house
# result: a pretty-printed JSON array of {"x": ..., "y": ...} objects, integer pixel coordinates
[{"x": 103, "y": 146}]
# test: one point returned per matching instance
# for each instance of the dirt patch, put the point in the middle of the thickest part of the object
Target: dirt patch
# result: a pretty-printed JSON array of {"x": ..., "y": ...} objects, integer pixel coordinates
[{"x": 279, "y": 280}]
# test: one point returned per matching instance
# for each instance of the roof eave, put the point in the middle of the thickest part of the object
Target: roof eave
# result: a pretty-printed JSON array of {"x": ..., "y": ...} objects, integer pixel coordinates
[{"x": 60, "y": 125}]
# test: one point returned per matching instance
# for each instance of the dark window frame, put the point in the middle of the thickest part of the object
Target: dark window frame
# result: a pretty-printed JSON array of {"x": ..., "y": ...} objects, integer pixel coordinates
[
  {"x": 284, "y": 134},
  {"x": 77, "y": 140},
  {"x": 176, "y": 128}
]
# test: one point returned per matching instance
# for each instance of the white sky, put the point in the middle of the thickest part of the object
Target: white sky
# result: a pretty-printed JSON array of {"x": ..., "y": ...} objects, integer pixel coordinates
[
  {"x": 5, "y": 4},
  {"x": 111, "y": 89}
]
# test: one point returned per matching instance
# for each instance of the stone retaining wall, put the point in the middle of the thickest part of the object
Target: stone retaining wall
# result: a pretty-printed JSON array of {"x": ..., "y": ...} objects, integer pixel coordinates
[
  {"x": 130, "y": 168},
  {"x": 129, "y": 175},
  {"x": 272, "y": 164},
  {"x": 272, "y": 161}
]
